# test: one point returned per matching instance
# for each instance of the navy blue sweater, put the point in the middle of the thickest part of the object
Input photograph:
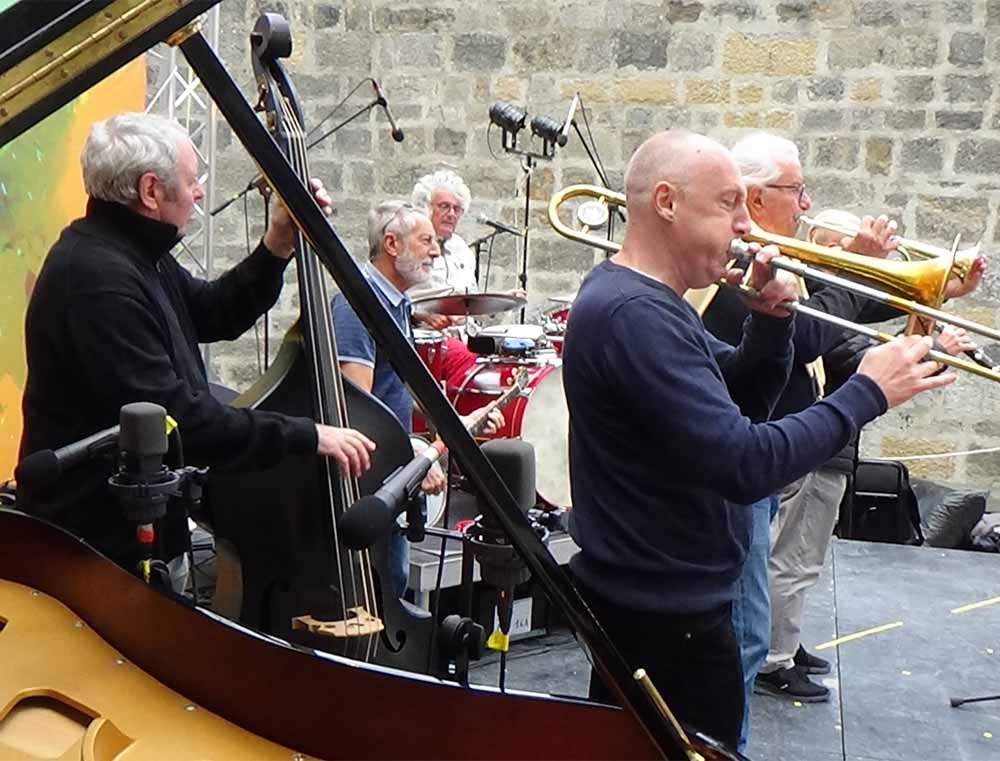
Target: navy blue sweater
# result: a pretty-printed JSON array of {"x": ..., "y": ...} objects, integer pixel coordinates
[{"x": 661, "y": 455}]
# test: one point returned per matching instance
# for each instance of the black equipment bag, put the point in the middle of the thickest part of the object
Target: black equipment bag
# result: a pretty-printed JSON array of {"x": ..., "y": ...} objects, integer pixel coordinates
[{"x": 883, "y": 507}]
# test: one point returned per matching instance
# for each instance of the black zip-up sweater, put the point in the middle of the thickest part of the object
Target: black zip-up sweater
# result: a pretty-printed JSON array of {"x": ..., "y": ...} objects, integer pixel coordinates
[{"x": 114, "y": 319}]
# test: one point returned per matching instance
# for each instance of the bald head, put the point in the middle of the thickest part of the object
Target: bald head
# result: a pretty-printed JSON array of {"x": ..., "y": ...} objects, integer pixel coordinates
[{"x": 675, "y": 156}]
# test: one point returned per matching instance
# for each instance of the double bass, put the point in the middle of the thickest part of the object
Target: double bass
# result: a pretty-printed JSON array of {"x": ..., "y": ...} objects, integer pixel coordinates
[{"x": 283, "y": 566}]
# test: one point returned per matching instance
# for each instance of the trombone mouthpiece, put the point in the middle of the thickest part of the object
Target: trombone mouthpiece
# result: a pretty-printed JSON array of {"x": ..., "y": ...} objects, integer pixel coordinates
[{"x": 739, "y": 248}]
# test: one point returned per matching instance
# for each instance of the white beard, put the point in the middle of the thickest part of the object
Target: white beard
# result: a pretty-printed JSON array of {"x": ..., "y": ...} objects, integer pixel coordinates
[{"x": 411, "y": 269}]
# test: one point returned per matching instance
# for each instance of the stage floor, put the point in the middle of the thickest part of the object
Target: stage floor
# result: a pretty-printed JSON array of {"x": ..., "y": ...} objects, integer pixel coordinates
[{"x": 890, "y": 688}]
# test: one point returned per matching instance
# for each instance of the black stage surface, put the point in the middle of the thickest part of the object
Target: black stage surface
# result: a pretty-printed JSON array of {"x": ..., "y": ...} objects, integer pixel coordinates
[{"x": 889, "y": 689}]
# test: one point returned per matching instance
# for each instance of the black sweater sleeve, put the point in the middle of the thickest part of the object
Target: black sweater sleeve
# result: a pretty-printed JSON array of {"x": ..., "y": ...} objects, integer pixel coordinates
[
  {"x": 118, "y": 322},
  {"x": 225, "y": 308}
]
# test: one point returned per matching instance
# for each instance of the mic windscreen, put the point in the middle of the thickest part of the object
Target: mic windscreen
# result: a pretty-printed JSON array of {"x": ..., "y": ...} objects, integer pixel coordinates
[
  {"x": 364, "y": 522},
  {"x": 514, "y": 461},
  {"x": 397, "y": 135},
  {"x": 38, "y": 469},
  {"x": 143, "y": 429}
]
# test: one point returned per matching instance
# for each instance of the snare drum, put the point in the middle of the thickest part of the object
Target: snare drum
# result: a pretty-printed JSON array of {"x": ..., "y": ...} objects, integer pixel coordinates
[{"x": 539, "y": 416}]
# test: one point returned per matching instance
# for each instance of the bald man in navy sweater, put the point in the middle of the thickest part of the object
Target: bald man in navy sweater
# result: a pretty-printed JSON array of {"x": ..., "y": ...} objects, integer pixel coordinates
[{"x": 663, "y": 454}]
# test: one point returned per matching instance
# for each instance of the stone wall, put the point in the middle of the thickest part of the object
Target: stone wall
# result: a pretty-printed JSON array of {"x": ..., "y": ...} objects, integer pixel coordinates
[{"x": 894, "y": 105}]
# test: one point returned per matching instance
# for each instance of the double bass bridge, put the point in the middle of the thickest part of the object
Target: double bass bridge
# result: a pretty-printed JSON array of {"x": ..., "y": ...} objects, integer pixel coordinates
[{"x": 359, "y": 623}]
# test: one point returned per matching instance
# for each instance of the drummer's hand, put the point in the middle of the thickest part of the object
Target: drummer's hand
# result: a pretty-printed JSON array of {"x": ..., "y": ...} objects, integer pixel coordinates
[
  {"x": 495, "y": 422},
  {"x": 351, "y": 449},
  {"x": 435, "y": 481},
  {"x": 433, "y": 321},
  {"x": 279, "y": 238},
  {"x": 519, "y": 292}
]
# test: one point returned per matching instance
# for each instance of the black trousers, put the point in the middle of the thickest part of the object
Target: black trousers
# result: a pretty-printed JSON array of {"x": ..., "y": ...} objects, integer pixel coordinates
[{"x": 693, "y": 659}]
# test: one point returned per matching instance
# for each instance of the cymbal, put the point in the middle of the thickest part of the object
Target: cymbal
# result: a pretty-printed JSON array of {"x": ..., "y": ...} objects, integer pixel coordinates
[
  {"x": 469, "y": 303},
  {"x": 566, "y": 298}
]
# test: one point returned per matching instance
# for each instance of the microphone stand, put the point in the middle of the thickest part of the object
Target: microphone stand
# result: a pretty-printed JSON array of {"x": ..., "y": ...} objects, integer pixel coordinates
[
  {"x": 528, "y": 166},
  {"x": 477, "y": 246}
]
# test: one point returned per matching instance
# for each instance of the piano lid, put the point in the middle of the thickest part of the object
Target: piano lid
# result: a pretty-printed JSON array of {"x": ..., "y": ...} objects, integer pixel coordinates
[{"x": 53, "y": 50}]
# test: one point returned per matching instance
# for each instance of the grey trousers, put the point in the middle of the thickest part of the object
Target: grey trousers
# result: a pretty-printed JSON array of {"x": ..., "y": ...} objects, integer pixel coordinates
[{"x": 800, "y": 536}]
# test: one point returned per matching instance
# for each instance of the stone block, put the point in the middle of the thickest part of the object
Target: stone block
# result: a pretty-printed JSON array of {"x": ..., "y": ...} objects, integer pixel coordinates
[
  {"x": 353, "y": 141},
  {"x": 966, "y": 49},
  {"x": 913, "y": 89},
  {"x": 511, "y": 89},
  {"x": 742, "y": 119},
  {"x": 779, "y": 120},
  {"x": 749, "y": 94},
  {"x": 519, "y": 16},
  {"x": 641, "y": 50},
  {"x": 785, "y": 91},
  {"x": 360, "y": 177},
  {"x": 683, "y": 12},
  {"x": 413, "y": 18},
  {"x": 825, "y": 88},
  {"x": 690, "y": 50},
  {"x": 820, "y": 119},
  {"x": 836, "y": 153},
  {"x": 923, "y": 155},
  {"x": 866, "y": 118},
  {"x": 940, "y": 218},
  {"x": 639, "y": 118},
  {"x": 865, "y": 90},
  {"x": 791, "y": 11},
  {"x": 479, "y": 52},
  {"x": 703, "y": 121},
  {"x": 344, "y": 51},
  {"x": 450, "y": 142},
  {"x": 858, "y": 50},
  {"x": 958, "y": 119},
  {"x": 978, "y": 157},
  {"x": 905, "y": 119},
  {"x": 630, "y": 91},
  {"x": 992, "y": 12},
  {"x": 326, "y": 16},
  {"x": 958, "y": 11},
  {"x": 839, "y": 192},
  {"x": 916, "y": 14},
  {"x": 964, "y": 89},
  {"x": 707, "y": 90},
  {"x": 736, "y": 10},
  {"x": 595, "y": 52},
  {"x": 878, "y": 155},
  {"x": 550, "y": 52},
  {"x": 876, "y": 13},
  {"x": 749, "y": 54},
  {"x": 911, "y": 50}
]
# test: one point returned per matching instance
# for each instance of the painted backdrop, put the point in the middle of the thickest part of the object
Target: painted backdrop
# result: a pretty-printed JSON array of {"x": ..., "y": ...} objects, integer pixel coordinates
[{"x": 40, "y": 191}]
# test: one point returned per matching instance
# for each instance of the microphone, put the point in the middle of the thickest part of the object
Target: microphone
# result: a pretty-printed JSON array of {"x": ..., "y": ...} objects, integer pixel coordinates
[
  {"x": 397, "y": 133},
  {"x": 372, "y": 516},
  {"x": 498, "y": 226},
  {"x": 41, "y": 468}
]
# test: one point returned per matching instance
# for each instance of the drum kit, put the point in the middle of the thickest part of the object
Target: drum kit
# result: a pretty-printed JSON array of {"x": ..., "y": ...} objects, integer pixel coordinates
[{"x": 538, "y": 415}]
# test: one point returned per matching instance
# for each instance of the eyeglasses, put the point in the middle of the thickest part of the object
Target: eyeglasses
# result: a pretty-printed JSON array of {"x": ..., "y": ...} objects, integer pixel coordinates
[
  {"x": 444, "y": 207},
  {"x": 799, "y": 188}
]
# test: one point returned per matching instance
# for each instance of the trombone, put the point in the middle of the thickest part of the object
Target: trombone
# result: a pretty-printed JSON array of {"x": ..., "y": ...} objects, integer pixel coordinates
[
  {"x": 914, "y": 287},
  {"x": 913, "y": 250}
]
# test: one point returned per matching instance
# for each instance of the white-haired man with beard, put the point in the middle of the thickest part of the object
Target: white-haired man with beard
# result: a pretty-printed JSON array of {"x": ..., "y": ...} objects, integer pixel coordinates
[{"x": 402, "y": 248}]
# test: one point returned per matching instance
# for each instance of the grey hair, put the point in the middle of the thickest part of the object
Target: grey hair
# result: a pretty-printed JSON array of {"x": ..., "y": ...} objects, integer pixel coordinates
[
  {"x": 443, "y": 179},
  {"x": 397, "y": 217},
  {"x": 122, "y": 148},
  {"x": 757, "y": 156}
]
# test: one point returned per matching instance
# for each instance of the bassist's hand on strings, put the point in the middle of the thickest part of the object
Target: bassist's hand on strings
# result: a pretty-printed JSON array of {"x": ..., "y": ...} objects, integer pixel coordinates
[
  {"x": 280, "y": 235},
  {"x": 348, "y": 447}
]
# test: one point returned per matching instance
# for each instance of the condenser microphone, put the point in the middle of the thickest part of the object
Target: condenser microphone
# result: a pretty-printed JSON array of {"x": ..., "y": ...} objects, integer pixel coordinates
[
  {"x": 397, "y": 133},
  {"x": 498, "y": 226}
]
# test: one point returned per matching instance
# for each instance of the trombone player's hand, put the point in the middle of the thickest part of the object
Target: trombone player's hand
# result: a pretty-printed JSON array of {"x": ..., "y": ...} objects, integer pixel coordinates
[
  {"x": 876, "y": 236},
  {"x": 770, "y": 287},
  {"x": 900, "y": 370},
  {"x": 956, "y": 287}
]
